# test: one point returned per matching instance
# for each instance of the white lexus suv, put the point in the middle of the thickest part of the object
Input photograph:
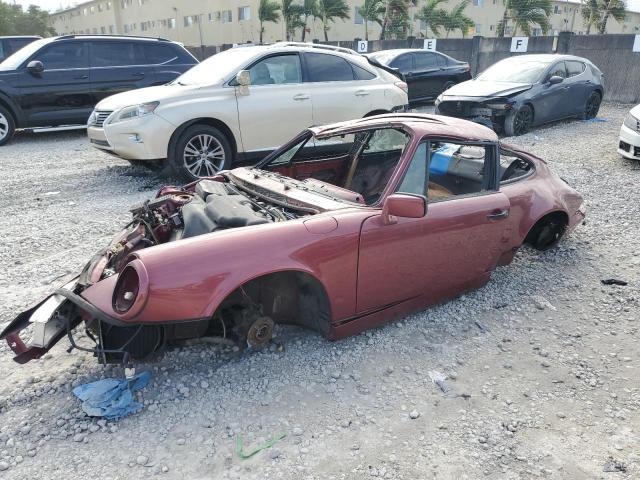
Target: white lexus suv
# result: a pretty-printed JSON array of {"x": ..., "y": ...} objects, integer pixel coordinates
[{"x": 241, "y": 104}]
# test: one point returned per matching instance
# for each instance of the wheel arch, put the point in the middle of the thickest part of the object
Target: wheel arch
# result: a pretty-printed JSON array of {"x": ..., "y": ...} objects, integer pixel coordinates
[
  {"x": 558, "y": 216},
  {"x": 213, "y": 122},
  {"x": 288, "y": 296},
  {"x": 10, "y": 107}
]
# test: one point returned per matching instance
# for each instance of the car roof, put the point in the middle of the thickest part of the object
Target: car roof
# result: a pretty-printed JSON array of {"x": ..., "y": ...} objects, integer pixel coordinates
[
  {"x": 548, "y": 57},
  {"x": 399, "y": 51},
  {"x": 35, "y": 37},
  {"x": 421, "y": 124},
  {"x": 112, "y": 37}
]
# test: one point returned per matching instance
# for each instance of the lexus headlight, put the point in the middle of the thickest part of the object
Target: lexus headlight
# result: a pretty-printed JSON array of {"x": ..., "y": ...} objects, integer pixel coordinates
[
  {"x": 135, "y": 111},
  {"x": 632, "y": 122}
]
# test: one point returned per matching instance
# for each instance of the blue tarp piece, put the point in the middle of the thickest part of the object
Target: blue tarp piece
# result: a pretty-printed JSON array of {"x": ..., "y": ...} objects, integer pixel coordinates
[
  {"x": 111, "y": 398},
  {"x": 440, "y": 159}
]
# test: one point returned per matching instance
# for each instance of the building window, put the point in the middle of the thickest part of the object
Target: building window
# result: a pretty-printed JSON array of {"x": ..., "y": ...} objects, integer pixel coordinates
[
  {"x": 188, "y": 21},
  {"x": 556, "y": 9},
  {"x": 84, "y": 11},
  {"x": 227, "y": 16},
  {"x": 492, "y": 28},
  {"x": 244, "y": 13},
  {"x": 100, "y": 7},
  {"x": 112, "y": 29},
  {"x": 357, "y": 18},
  {"x": 477, "y": 29},
  {"x": 477, "y": 3},
  {"x": 108, "y": 5},
  {"x": 171, "y": 23},
  {"x": 103, "y": 30},
  {"x": 536, "y": 32},
  {"x": 92, "y": 9},
  {"x": 126, "y": 29}
]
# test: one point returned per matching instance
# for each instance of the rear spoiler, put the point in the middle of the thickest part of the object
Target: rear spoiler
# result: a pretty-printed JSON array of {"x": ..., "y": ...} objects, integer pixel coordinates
[{"x": 393, "y": 71}]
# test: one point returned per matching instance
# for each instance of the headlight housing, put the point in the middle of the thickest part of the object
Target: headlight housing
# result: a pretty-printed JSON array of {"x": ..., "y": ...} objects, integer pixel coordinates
[
  {"x": 134, "y": 111},
  {"x": 127, "y": 289},
  {"x": 632, "y": 122}
]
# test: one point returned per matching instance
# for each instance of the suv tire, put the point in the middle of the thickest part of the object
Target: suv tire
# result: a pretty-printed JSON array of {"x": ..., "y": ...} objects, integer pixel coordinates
[
  {"x": 7, "y": 125},
  {"x": 200, "y": 151}
]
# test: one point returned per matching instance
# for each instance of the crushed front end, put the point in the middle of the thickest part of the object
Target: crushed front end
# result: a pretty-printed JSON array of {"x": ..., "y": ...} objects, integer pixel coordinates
[{"x": 488, "y": 111}]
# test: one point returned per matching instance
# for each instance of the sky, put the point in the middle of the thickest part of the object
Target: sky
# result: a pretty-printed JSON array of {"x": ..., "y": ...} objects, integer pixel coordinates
[{"x": 52, "y": 5}]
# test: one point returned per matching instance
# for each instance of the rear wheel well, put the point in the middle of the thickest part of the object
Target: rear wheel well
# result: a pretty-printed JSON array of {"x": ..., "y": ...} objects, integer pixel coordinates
[
  {"x": 4, "y": 104},
  {"x": 213, "y": 122},
  {"x": 288, "y": 297},
  {"x": 547, "y": 232}
]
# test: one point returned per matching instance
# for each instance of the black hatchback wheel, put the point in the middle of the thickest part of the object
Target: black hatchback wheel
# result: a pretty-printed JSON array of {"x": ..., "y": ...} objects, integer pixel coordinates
[
  {"x": 592, "y": 106},
  {"x": 518, "y": 122}
]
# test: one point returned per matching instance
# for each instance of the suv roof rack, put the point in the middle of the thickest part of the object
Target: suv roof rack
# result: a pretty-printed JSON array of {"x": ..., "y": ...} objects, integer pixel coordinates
[
  {"x": 160, "y": 39},
  {"x": 319, "y": 46}
]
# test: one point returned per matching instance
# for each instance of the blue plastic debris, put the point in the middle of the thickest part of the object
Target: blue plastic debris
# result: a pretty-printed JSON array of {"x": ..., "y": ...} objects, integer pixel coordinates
[
  {"x": 441, "y": 157},
  {"x": 112, "y": 398},
  {"x": 597, "y": 120}
]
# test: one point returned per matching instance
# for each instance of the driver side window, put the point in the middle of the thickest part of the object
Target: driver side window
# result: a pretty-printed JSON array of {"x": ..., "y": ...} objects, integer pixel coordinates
[
  {"x": 276, "y": 70},
  {"x": 442, "y": 170},
  {"x": 558, "y": 70}
]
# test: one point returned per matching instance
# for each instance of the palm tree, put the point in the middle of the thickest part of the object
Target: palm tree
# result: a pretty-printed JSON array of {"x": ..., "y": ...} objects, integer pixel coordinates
[
  {"x": 328, "y": 11},
  {"x": 309, "y": 8},
  {"x": 524, "y": 13},
  {"x": 370, "y": 12},
  {"x": 433, "y": 16},
  {"x": 396, "y": 16},
  {"x": 291, "y": 13},
  {"x": 267, "y": 12},
  {"x": 591, "y": 13},
  {"x": 612, "y": 8},
  {"x": 456, "y": 19}
]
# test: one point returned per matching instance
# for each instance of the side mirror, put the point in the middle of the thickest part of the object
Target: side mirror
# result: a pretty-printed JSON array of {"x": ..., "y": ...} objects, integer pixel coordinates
[
  {"x": 404, "y": 206},
  {"x": 35, "y": 66},
  {"x": 556, "y": 79},
  {"x": 243, "y": 78}
]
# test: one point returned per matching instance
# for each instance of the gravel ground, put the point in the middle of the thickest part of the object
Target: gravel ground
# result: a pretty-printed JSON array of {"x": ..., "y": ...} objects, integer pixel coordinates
[{"x": 541, "y": 365}]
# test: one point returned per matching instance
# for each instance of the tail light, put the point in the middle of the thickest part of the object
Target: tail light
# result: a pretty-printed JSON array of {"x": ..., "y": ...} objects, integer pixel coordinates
[
  {"x": 127, "y": 289},
  {"x": 402, "y": 86}
]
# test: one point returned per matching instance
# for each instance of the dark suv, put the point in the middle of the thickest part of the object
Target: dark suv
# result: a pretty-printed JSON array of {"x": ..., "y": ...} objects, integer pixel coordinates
[
  {"x": 55, "y": 82},
  {"x": 10, "y": 45}
]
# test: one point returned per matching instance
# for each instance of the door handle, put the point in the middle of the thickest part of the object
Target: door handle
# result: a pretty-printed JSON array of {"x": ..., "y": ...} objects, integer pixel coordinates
[
  {"x": 498, "y": 214},
  {"x": 138, "y": 74},
  {"x": 362, "y": 93},
  {"x": 81, "y": 77},
  {"x": 301, "y": 96}
]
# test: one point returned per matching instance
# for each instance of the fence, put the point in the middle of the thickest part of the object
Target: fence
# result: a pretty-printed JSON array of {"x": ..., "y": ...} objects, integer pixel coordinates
[{"x": 613, "y": 54}]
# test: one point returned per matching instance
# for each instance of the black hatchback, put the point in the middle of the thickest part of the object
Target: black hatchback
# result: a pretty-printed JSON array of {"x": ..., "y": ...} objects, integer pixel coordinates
[
  {"x": 427, "y": 73},
  {"x": 56, "y": 82}
]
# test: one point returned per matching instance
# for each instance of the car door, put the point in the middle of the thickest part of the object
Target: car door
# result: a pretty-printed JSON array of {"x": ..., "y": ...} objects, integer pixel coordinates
[
  {"x": 61, "y": 94},
  {"x": 580, "y": 85},
  {"x": 118, "y": 66},
  {"x": 551, "y": 103},
  {"x": 277, "y": 104},
  {"x": 453, "y": 247},
  {"x": 336, "y": 93},
  {"x": 169, "y": 60},
  {"x": 427, "y": 74}
]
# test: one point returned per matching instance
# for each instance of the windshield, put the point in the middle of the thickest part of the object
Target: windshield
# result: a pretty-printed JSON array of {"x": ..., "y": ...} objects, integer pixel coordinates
[
  {"x": 14, "y": 61},
  {"x": 218, "y": 67},
  {"x": 516, "y": 70}
]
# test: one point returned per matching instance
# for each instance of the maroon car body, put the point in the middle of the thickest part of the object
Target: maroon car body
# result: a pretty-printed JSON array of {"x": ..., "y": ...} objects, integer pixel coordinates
[{"x": 301, "y": 248}]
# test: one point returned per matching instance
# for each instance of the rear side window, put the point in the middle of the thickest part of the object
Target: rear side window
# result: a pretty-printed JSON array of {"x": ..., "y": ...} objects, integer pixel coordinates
[
  {"x": 64, "y": 55},
  {"x": 441, "y": 60},
  {"x": 158, "y": 53},
  {"x": 424, "y": 61},
  {"x": 361, "y": 73},
  {"x": 15, "y": 44},
  {"x": 114, "y": 54},
  {"x": 574, "y": 68},
  {"x": 404, "y": 63},
  {"x": 328, "y": 68}
]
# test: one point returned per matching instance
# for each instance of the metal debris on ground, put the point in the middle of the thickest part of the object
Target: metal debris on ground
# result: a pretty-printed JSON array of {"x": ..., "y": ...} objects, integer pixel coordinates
[
  {"x": 439, "y": 378},
  {"x": 112, "y": 398},
  {"x": 482, "y": 327},
  {"x": 614, "y": 281},
  {"x": 613, "y": 465},
  {"x": 268, "y": 444}
]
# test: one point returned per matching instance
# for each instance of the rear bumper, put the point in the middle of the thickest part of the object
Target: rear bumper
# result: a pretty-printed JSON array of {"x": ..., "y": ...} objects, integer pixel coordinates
[{"x": 629, "y": 143}]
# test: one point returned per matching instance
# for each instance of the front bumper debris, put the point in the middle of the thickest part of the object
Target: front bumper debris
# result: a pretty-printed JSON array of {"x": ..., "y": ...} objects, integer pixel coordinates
[{"x": 50, "y": 323}]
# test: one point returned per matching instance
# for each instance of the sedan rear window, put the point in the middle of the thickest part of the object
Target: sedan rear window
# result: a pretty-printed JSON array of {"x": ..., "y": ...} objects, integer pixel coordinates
[{"x": 328, "y": 68}]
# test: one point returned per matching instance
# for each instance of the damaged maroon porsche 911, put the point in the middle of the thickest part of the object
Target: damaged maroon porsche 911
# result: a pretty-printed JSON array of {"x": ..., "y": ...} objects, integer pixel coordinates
[{"x": 345, "y": 227}]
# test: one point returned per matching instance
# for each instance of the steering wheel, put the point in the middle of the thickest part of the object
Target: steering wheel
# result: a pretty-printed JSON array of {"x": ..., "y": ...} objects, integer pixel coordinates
[{"x": 513, "y": 166}]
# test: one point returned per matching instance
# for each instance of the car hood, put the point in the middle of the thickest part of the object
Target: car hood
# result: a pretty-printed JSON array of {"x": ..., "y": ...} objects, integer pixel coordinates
[
  {"x": 144, "y": 95},
  {"x": 635, "y": 111},
  {"x": 477, "y": 88}
]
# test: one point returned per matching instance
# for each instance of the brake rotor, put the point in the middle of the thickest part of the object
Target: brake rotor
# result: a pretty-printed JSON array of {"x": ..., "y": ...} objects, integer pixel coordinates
[{"x": 260, "y": 332}]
